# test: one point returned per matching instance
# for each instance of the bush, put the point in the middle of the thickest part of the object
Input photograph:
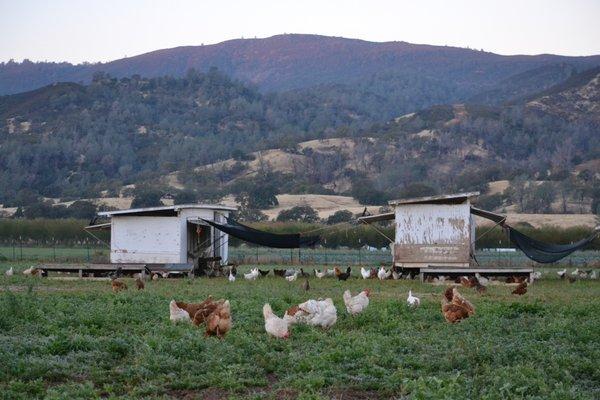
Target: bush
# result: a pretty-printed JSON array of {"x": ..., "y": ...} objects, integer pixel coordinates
[{"x": 298, "y": 214}]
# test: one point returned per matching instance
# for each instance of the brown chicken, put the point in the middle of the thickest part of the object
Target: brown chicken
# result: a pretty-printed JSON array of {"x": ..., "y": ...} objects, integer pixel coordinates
[
  {"x": 468, "y": 282},
  {"x": 218, "y": 322},
  {"x": 455, "y": 307},
  {"x": 192, "y": 308},
  {"x": 117, "y": 285},
  {"x": 480, "y": 288},
  {"x": 207, "y": 307},
  {"x": 521, "y": 289},
  {"x": 140, "y": 283}
]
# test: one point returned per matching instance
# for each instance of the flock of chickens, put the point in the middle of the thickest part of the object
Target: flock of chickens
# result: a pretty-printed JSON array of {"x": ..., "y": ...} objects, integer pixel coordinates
[{"x": 216, "y": 314}]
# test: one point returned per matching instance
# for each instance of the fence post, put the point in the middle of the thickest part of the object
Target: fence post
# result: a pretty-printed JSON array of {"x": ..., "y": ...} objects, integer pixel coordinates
[
  {"x": 14, "y": 252},
  {"x": 88, "y": 252},
  {"x": 54, "y": 249},
  {"x": 21, "y": 246},
  {"x": 256, "y": 254}
]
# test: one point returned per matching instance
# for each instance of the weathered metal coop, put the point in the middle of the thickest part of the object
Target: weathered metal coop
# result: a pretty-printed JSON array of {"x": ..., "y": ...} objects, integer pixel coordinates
[{"x": 436, "y": 233}]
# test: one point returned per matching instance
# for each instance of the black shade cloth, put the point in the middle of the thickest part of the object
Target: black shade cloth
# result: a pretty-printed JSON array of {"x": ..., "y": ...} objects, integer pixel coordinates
[
  {"x": 545, "y": 252},
  {"x": 248, "y": 234}
]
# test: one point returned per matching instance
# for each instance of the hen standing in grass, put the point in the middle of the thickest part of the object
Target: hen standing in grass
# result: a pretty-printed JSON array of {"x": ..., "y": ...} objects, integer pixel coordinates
[
  {"x": 521, "y": 289},
  {"x": 274, "y": 325},
  {"x": 177, "y": 314},
  {"x": 117, "y": 285},
  {"x": 313, "y": 312},
  {"x": 357, "y": 304},
  {"x": 140, "y": 283},
  {"x": 412, "y": 301},
  {"x": 342, "y": 276},
  {"x": 455, "y": 307},
  {"x": 10, "y": 272},
  {"x": 218, "y": 323}
]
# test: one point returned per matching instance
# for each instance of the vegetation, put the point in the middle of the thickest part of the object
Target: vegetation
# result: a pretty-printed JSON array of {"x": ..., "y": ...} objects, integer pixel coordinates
[{"x": 79, "y": 340}]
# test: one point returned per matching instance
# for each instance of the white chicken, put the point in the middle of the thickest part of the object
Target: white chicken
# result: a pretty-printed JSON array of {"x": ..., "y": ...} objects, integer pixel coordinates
[
  {"x": 482, "y": 279},
  {"x": 575, "y": 272},
  {"x": 562, "y": 273},
  {"x": 252, "y": 275},
  {"x": 412, "y": 301},
  {"x": 320, "y": 274},
  {"x": 383, "y": 274},
  {"x": 365, "y": 273},
  {"x": 314, "y": 312},
  {"x": 29, "y": 271},
  {"x": 275, "y": 326},
  {"x": 177, "y": 314},
  {"x": 292, "y": 278},
  {"x": 535, "y": 276},
  {"x": 396, "y": 275},
  {"x": 10, "y": 272},
  {"x": 231, "y": 277},
  {"x": 357, "y": 304},
  {"x": 594, "y": 275}
]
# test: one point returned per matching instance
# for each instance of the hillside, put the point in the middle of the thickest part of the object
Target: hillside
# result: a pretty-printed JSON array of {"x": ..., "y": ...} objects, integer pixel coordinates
[
  {"x": 285, "y": 62},
  {"x": 211, "y": 136}
]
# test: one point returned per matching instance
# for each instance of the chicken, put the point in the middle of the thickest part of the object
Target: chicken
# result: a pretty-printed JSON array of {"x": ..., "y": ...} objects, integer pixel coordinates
[
  {"x": 455, "y": 307},
  {"x": 396, "y": 275},
  {"x": 575, "y": 272},
  {"x": 10, "y": 272},
  {"x": 383, "y": 274},
  {"x": 275, "y": 326},
  {"x": 320, "y": 274},
  {"x": 313, "y": 312},
  {"x": 292, "y": 278},
  {"x": 594, "y": 275},
  {"x": 177, "y": 314},
  {"x": 571, "y": 279},
  {"x": 306, "y": 285},
  {"x": 263, "y": 273},
  {"x": 303, "y": 274},
  {"x": 218, "y": 323},
  {"x": 204, "y": 309},
  {"x": 342, "y": 276},
  {"x": 31, "y": 271},
  {"x": 562, "y": 273},
  {"x": 252, "y": 275},
  {"x": 290, "y": 272},
  {"x": 521, "y": 289},
  {"x": 165, "y": 274},
  {"x": 373, "y": 273},
  {"x": 139, "y": 283},
  {"x": 117, "y": 285},
  {"x": 481, "y": 279},
  {"x": 535, "y": 276},
  {"x": 365, "y": 273},
  {"x": 468, "y": 282},
  {"x": 279, "y": 272},
  {"x": 412, "y": 301},
  {"x": 155, "y": 277},
  {"x": 231, "y": 277},
  {"x": 480, "y": 288},
  {"x": 193, "y": 308},
  {"x": 331, "y": 272},
  {"x": 357, "y": 304}
]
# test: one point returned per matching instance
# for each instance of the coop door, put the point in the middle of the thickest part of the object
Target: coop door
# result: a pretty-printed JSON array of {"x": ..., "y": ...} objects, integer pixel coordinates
[{"x": 198, "y": 241}]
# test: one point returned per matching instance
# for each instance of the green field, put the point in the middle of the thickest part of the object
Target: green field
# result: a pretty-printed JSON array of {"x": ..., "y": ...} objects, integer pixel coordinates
[{"x": 76, "y": 339}]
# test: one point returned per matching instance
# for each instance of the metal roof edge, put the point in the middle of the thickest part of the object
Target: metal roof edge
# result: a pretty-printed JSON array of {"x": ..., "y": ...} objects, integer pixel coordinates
[
  {"x": 176, "y": 207},
  {"x": 434, "y": 199}
]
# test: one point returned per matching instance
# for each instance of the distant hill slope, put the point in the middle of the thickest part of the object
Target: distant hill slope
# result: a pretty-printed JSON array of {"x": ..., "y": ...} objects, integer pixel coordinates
[
  {"x": 285, "y": 62},
  {"x": 576, "y": 99}
]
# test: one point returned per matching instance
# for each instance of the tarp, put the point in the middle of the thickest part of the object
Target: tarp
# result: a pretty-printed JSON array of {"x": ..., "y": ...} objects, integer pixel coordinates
[
  {"x": 248, "y": 234},
  {"x": 545, "y": 252}
]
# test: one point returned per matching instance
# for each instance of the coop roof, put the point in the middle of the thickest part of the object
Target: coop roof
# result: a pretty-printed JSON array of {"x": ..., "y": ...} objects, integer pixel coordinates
[
  {"x": 164, "y": 210},
  {"x": 456, "y": 198}
]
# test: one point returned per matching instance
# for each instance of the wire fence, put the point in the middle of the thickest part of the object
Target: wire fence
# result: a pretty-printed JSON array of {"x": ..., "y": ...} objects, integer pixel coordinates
[{"x": 93, "y": 253}]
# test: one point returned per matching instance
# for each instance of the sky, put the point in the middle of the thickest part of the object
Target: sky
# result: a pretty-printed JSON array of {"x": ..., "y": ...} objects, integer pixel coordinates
[{"x": 92, "y": 31}]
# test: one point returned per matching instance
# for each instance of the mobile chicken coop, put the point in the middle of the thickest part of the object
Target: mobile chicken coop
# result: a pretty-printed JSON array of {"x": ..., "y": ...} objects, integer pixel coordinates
[
  {"x": 167, "y": 235},
  {"x": 174, "y": 240},
  {"x": 436, "y": 235}
]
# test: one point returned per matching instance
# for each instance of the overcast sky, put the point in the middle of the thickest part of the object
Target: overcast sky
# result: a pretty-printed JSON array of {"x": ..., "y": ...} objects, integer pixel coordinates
[{"x": 77, "y": 31}]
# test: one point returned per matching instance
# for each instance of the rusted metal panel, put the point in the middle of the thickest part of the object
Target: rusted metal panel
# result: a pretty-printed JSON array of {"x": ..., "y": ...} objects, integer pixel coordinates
[{"x": 432, "y": 233}]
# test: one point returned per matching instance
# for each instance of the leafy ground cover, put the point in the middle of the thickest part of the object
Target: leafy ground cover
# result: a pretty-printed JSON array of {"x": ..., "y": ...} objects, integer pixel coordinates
[{"x": 77, "y": 339}]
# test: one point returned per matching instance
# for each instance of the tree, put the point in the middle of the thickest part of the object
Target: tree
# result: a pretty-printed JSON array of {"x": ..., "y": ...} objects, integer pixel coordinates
[
  {"x": 82, "y": 210},
  {"x": 185, "y": 196},
  {"x": 145, "y": 196},
  {"x": 417, "y": 189},
  {"x": 299, "y": 214},
  {"x": 247, "y": 213},
  {"x": 339, "y": 217}
]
